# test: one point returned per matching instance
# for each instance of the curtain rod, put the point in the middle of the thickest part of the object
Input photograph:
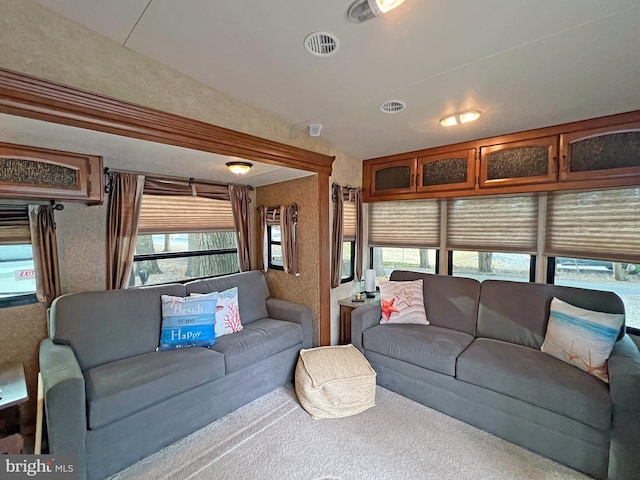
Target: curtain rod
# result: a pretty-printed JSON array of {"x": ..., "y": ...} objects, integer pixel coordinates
[{"x": 107, "y": 170}]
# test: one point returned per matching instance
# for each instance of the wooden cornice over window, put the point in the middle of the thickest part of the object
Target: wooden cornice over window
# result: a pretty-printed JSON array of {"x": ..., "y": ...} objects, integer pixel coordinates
[{"x": 32, "y": 97}]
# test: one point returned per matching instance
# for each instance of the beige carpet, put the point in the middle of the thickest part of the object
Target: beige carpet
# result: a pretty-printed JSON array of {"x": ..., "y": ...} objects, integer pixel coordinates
[{"x": 398, "y": 439}]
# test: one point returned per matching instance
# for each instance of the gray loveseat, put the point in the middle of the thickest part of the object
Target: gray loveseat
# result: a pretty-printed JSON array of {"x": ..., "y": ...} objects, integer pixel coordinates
[
  {"x": 112, "y": 399},
  {"x": 480, "y": 361}
]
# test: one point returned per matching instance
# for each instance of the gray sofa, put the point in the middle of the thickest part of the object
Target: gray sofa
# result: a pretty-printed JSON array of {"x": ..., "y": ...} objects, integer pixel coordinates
[
  {"x": 112, "y": 399},
  {"x": 480, "y": 361}
]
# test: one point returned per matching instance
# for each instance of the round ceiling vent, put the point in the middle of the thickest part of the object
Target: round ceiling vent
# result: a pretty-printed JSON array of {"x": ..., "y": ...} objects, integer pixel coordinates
[
  {"x": 393, "y": 106},
  {"x": 321, "y": 44}
]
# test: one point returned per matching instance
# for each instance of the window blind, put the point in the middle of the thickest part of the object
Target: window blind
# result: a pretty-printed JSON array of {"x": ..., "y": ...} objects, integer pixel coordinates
[
  {"x": 493, "y": 224},
  {"x": 405, "y": 224},
  {"x": 348, "y": 221},
  {"x": 171, "y": 214},
  {"x": 14, "y": 225},
  {"x": 602, "y": 225}
]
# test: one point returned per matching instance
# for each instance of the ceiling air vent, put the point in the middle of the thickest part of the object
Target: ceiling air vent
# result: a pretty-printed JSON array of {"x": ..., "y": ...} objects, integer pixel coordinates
[
  {"x": 393, "y": 106},
  {"x": 321, "y": 44}
]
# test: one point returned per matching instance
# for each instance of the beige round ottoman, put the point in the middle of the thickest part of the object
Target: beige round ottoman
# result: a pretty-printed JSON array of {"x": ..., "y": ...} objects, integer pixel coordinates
[{"x": 334, "y": 382}]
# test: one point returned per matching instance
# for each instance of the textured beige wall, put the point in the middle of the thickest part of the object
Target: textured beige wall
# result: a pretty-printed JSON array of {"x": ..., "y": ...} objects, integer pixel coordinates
[
  {"x": 304, "y": 288},
  {"x": 38, "y": 42}
]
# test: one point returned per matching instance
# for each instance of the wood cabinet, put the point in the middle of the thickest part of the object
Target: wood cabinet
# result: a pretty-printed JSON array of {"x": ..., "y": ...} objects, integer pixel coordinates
[
  {"x": 519, "y": 163},
  {"x": 605, "y": 152},
  {"x": 38, "y": 173},
  {"x": 392, "y": 178},
  {"x": 447, "y": 171}
]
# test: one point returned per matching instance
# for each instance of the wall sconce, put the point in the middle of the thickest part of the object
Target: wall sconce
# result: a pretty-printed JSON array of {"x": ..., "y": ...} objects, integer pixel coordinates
[
  {"x": 239, "y": 168},
  {"x": 361, "y": 11},
  {"x": 459, "y": 118}
]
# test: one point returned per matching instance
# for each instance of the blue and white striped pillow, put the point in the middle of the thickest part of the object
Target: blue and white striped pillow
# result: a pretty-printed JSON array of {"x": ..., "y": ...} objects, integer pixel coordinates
[{"x": 188, "y": 321}]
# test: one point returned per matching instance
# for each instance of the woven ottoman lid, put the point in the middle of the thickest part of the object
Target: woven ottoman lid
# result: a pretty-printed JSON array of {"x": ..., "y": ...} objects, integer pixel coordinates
[{"x": 324, "y": 364}]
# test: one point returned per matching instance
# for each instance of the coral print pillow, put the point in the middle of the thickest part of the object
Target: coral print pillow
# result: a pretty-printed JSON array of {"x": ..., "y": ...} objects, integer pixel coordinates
[
  {"x": 582, "y": 338},
  {"x": 228, "y": 313},
  {"x": 188, "y": 321},
  {"x": 402, "y": 302}
]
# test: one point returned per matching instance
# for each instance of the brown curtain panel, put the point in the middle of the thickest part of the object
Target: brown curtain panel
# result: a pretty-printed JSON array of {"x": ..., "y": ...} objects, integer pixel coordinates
[
  {"x": 337, "y": 236},
  {"x": 45, "y": 253},
  {"x": 359, "y": 235},
  {"x": 263, "y": 261},
  {"x": 122, "y": 225},
  {"x": 288, "y": 229},
  {"x": 240, "y": 204}
]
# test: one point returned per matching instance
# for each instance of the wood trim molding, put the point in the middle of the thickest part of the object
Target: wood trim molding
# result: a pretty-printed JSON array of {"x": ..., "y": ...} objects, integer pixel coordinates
[
  {"x": 324, "y": 258},
  {"x": 32, "y": 97}
]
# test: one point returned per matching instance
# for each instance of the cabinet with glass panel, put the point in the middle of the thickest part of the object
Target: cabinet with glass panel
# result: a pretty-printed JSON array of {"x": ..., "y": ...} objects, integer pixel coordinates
[{"x": 606, "y": 152}]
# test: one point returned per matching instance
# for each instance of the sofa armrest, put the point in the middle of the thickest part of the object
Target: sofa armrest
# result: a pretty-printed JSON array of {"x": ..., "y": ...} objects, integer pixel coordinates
[
  {"x": 624, "y": 386},
  {"x": 64, "y": 401},
  {"x": 362, "y": 318},
  {"x": 293, "y": 312}
]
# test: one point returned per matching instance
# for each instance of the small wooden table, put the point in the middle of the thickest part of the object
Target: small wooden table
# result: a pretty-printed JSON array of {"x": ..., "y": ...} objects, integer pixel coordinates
[
  {"x": 13, "y": 393},
  {"x": 346, "y": 307}
]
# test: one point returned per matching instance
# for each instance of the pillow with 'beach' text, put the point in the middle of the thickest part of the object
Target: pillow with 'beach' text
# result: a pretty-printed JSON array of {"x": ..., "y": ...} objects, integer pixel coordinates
[{"x": 188, "y": 321}]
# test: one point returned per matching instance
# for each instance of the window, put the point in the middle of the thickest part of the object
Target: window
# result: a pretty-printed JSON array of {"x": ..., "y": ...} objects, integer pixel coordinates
[
  {"x": 493, "y": 237},
  {"x": 17, "y": 271},
  {"x": 274, "y": 237},
  {"x": 593, "y": 241},
  {"x": 183, "y": 238},
  {"x": 404, "y": 235},
  {"x": 385, "y": 260},
  {"x": 349, "y": 227},
  {"x": 517, "y": 267}
]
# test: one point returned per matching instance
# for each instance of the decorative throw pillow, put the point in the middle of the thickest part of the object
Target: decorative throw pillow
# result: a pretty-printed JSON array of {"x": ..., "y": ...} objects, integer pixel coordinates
[
  {"x": 228, "y": 313},
  {"x": 188, "y": 321},
  {"x": 402, "y": 302},
  {"x": 582, "y": 338}
]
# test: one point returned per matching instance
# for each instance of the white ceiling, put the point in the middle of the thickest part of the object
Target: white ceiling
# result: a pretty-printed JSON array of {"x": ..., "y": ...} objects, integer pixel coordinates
[
  {"x": 523, "y": 63},
  {"x": 124, "y": 153}
]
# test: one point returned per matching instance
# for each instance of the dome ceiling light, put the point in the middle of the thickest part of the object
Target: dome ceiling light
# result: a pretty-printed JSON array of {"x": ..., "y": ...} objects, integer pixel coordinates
[
  {"x": 361, "y": 11},
  {"x": 239, "y": 168},
  {"x": 460, "y": 118}
]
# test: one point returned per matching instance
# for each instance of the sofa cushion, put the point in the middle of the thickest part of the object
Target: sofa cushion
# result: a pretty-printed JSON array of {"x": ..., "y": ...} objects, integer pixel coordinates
[
  {"x": 188, "y": 321},
  {"x": 252, "y": 292},
  {"x": 450, "y": 302},
  {"x": 118, "y": 389},
  {"x": 582, "y": 338},
  {"x": 110, "y": 325},
  {"x": 534, "y": 377},
  {"x": 428, "y": 346},
  {"x": 257, "y": 341},
  {"x": 517, "y": 312},
  {"x": 402, "y": 302}
]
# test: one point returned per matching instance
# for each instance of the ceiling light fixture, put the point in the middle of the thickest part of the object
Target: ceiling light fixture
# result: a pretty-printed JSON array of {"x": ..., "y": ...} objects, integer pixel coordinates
[
  {"x": 459, "y": 118},
  {"x": 239, "y": 168},
  {"x": 361, "y": 11}
]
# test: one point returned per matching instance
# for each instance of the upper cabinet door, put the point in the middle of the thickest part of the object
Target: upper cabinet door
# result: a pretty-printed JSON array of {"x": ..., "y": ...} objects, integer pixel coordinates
[
  {"x": 447, "y": 171},
  {"x": 393, "y": 178},
  {"x": 606, "y": 152},
  {"x": 519, "y": 163}
]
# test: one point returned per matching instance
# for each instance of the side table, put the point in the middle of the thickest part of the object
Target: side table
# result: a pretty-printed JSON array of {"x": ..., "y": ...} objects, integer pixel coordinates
[
  {"x": 13, "y": 393},
  {"x": 346, "y": 307}
]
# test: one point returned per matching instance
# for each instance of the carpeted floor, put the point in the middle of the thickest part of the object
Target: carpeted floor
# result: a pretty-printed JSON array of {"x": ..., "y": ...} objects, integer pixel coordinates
[{"x": 398, "y": 439}]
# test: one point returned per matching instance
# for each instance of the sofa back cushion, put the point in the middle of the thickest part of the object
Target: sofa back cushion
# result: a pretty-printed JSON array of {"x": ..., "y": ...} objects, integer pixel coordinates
[
  {"x": 518, "y": 312},
  {"x": 252, "y": 292},
  {"x": 450, "y": 302},
  {"x": 110, "y": 325}
]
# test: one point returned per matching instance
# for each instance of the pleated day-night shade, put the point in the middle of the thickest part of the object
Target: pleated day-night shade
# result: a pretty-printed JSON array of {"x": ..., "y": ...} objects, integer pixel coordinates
[
  {"x": 493, "y": 224},
  {"x": 405, "y": 224},
  {"x": 171, "y": 214},
  {"x": 601, "y": 225},
  {"x": 349, "y": 222},
  {"x": 14, "y": 225}
]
